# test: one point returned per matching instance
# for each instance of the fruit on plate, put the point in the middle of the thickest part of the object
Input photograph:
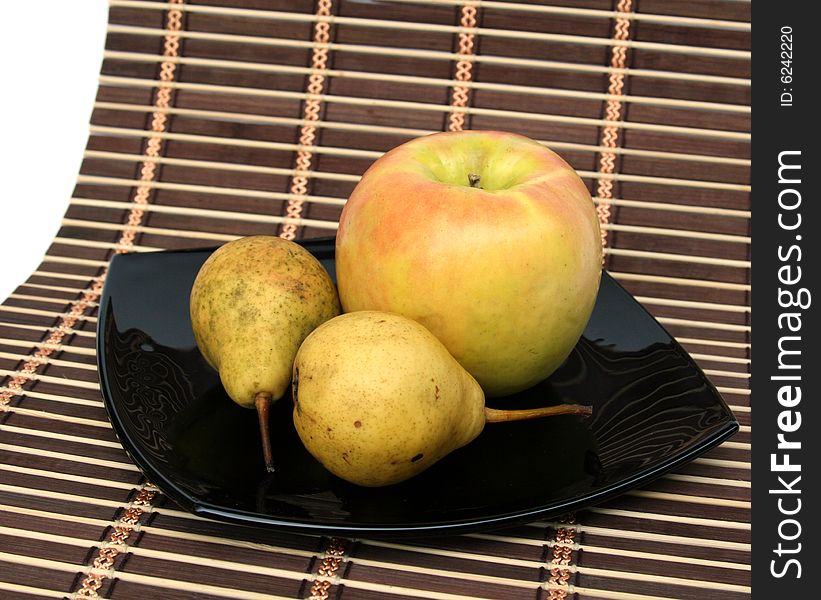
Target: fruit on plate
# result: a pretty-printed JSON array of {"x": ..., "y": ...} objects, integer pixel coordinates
[
  {"x": 488, "y": 239},
  {"x": 253, "y": 302},
  {"x": 378, "y": 399}
]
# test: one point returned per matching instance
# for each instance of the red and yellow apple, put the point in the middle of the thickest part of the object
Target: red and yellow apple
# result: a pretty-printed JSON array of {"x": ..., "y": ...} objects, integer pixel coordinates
[{"x": 488, "y": 239}]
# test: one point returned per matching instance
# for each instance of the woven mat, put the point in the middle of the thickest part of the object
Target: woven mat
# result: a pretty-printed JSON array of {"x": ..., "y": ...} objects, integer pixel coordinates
[{"x": 224, "y": 118}]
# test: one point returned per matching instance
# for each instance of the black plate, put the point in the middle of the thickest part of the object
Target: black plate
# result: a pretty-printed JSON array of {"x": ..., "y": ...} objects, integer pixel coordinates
[{"x": 654, "y": 410}]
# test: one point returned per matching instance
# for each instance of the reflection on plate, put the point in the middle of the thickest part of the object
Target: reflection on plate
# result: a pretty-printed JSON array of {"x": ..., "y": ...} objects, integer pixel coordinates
[{"x": 653, "y": 411}]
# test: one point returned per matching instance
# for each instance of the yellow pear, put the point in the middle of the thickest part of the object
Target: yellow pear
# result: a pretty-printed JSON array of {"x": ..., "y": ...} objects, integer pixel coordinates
[
  {"x": 252, "y": 304},
  {"x": 378, "y": 398}
]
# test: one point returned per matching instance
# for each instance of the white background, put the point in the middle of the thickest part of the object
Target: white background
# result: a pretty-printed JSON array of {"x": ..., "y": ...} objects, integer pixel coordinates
[{"x": 51, "y": 56}]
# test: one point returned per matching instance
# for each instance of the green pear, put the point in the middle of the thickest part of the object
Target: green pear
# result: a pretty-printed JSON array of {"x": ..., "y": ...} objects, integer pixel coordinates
[
  {"x": 253, "y": 302},
  {"x": 378, "y": 399}
]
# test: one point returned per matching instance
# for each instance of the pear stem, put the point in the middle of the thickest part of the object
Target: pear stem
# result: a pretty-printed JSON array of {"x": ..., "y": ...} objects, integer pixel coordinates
[
  {"x": 493, "y": 415},
  {"x": 262, "y": 401}
]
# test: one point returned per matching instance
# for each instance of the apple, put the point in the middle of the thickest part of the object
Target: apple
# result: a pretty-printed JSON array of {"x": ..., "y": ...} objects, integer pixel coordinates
[{"x": 488, "y": 239}]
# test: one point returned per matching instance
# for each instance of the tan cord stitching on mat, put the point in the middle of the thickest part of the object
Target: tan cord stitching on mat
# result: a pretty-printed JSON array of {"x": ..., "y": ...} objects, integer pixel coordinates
[
  {"x": 129, "y": 522},
  {"x": 92, "y": 293},
  {"x": 117, "y": 543},
  {"x": 55, "y": 338},
  {"x": 464, "y": 69},
  {"x": 328, "y": 569},
  {"x": 334, "y": 554},
  {"x": 307, "y": 135},
  {"x": 565, "y": 537},
  {"x": 159, "y": 120},
  {"x": 562, "y": 555},
  {"x": 613, "y": 112}
]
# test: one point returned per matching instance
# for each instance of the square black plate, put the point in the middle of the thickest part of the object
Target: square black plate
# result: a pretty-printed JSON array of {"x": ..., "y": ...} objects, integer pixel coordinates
[{"x": 654, "y": 410}]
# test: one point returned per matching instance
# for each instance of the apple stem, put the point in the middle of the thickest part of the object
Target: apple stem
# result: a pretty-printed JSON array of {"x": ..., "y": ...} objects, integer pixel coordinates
[
  {"x": 474, "y": 180},
  {"x": 493, "y": 415},
  {"x": 262, "y": 401}
]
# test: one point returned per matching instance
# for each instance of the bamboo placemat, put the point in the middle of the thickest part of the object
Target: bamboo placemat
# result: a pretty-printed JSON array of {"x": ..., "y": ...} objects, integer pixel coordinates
[{"x": 221, "y": 118}]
